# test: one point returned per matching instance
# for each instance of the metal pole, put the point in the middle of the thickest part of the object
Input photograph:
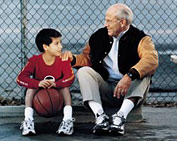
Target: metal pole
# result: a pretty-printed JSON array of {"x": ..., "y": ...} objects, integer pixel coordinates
[
  {"x": 24, "y": 22},
  {"x": 24, "y": 38}
]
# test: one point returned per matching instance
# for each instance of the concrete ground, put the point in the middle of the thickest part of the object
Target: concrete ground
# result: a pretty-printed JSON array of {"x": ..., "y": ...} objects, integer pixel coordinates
[{"x": 160, "y": 124}]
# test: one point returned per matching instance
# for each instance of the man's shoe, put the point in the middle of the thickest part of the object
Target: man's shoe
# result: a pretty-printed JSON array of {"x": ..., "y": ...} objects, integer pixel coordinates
[
  {"x": 66, "y": 127},
  {"x": 118, "y": 123},
  {"x": 27, "y": 127},
  {"x": 102, "y": 124}
]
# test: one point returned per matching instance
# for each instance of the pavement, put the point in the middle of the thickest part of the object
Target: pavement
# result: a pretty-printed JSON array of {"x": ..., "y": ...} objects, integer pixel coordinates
[{"x": 159, "y": 124}]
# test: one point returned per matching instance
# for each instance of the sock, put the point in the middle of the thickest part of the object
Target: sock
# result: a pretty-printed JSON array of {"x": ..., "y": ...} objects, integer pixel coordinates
[
  {"x": 126, "y": 107},
  {"x": 67, "y": 111},
  {"x": 28, "y": 113},
  {"x": 96, "y": 108}
]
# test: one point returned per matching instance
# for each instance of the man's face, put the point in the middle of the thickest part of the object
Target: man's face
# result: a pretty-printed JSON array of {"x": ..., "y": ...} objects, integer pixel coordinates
[{"x": 112, "y": 24}]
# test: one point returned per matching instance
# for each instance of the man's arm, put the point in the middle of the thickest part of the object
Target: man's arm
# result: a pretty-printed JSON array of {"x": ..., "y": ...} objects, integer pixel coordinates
[
  {"x": 146, "y": 66},
  {"x": 83, "y": 59},
  {"x": 78, "y": 60},
  {"x": 148, "y": 62}
]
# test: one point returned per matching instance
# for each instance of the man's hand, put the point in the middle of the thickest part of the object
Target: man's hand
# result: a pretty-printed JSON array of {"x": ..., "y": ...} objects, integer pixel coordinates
[
  {"x": 122, "y": 86},
  {"x": 67, "y": 55},
  {"x": 47, "y": 84}
]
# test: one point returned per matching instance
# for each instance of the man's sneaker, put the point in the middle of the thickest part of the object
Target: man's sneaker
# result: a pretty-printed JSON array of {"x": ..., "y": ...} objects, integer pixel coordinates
[
  {"x": 117, "y": 126},
  {"x": 66, "y": 127},
  {"x": 102, "y": 124},
  {"x": 27, "y": 128}
]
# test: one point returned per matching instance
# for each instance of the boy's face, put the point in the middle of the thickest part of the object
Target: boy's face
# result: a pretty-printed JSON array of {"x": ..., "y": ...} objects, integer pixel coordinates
[{"x": 55, "y": 47}]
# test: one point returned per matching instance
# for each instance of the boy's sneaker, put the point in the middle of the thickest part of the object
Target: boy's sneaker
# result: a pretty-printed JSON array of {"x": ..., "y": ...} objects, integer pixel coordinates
[
  {"x": 66, "y": 127},
  {"x": 102, "y": 124},
  {"x": 27, "y": 127},
  {"x": 118, "y": 123}
]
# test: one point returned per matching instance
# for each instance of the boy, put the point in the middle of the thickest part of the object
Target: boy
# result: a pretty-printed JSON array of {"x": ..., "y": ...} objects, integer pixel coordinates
[{"x": 48, "y": 63}]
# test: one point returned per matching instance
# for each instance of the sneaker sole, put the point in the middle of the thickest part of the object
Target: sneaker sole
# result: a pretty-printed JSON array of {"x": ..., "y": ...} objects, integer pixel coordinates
[
  {"x": 64, "y": 134},
  {"x": 30, "y": 133},
  {"x": 115, "y": 131},
  {"x": 101, "y": 131}
]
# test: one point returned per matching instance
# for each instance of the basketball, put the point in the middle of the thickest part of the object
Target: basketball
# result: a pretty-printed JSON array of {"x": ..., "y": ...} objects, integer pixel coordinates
[{"x": 47, "y": 102}]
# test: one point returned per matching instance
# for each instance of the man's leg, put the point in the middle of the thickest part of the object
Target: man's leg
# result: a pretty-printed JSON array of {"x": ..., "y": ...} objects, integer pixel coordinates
[
  {"x": 90, "y": 84},
  {"x": 135, "y": 95}
]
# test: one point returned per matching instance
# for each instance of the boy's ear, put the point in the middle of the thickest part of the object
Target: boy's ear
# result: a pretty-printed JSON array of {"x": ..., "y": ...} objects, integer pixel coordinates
[{"x": 45, "y": 47}]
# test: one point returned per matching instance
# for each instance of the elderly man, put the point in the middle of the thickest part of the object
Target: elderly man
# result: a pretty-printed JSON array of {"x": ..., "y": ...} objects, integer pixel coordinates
[{"x": 117, "y": 65}]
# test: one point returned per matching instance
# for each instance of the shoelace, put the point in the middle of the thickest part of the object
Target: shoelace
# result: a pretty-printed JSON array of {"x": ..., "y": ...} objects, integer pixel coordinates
[
  {"x": 101, "y": 118},
  {"x": 118, "y": 119},
  {"x": 27, "y": 123},
  {"x": 67, "y": 122}
]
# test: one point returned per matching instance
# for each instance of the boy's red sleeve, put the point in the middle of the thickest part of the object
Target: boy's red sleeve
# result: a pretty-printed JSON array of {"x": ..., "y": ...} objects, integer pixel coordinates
[
  {"x": 24, "y": 79},
  {"x": 68, "y": 75}
]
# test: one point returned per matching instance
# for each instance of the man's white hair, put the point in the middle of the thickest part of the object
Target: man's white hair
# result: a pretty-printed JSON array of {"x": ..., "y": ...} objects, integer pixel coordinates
[{"x": 124, "y": 12}]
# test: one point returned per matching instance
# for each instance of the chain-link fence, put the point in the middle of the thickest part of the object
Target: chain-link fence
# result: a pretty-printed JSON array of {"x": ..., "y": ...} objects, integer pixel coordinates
[{"x": 77, "y": 20}]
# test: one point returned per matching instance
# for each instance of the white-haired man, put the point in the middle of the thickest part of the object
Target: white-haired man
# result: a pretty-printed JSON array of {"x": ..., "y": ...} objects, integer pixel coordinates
[{"x": 117, "y": 65}]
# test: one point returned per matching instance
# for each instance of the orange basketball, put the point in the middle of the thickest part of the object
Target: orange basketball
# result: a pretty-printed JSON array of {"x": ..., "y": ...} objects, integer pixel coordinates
[{"x": 47, "y": 102}]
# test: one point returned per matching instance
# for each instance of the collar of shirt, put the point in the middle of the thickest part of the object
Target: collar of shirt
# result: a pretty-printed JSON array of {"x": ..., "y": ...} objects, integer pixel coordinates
[
  {"x": 121, "y": 34},
  {"x": 111, "y": 62}
]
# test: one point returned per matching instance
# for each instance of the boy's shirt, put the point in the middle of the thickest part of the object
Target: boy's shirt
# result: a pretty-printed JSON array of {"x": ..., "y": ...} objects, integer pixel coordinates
[{"x": 36, "y": 67}]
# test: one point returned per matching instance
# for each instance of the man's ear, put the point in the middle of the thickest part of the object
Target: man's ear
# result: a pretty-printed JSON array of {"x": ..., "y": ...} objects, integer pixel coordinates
[{"x": 124, "y": 22}]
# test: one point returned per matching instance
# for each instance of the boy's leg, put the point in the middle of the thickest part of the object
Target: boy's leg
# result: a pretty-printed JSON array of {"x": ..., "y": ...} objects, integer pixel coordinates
[
  {"x": 67, "y": 110},
  {"x": 66, "y": 126},
  {"x": 28, "y": 123},
  {"x": 28, "y": 104}
]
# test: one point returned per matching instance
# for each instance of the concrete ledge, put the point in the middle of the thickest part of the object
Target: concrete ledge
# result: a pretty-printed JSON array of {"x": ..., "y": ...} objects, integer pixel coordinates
[{"x": 15, "y": 114}]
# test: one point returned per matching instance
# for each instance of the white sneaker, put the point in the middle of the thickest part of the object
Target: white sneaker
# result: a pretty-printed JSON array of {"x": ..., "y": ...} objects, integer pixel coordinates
[
  {"x": 118, "y": 123},
  {"x": 66, "y": 127},
  {"x": 27, "y": 127},
  {"x": 101, "y": 124}
]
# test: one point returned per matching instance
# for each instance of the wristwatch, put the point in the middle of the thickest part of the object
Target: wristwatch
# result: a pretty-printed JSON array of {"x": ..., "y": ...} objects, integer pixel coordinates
[{"x": 130, "y": 75}]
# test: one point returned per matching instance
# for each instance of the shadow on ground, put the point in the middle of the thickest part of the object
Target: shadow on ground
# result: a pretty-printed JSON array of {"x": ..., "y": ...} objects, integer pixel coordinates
[{"x": 83, "y": 131}]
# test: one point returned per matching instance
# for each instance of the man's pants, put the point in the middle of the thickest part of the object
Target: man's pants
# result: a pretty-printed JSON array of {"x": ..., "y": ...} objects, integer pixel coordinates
[{"x": 94, "y": 88}]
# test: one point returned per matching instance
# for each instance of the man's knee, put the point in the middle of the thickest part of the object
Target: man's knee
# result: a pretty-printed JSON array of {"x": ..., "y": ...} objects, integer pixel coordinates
[{"x": 83, "y": 71}]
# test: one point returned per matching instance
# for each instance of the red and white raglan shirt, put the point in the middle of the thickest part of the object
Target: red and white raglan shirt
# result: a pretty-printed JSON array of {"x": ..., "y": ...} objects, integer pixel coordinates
[{"x": 36, "y": 70}]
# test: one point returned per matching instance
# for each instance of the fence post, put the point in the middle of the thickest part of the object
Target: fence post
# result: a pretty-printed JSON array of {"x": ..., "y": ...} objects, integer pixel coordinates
[
  {"x": 24, "y": 38},
  {"x": 24, "y": 32}
]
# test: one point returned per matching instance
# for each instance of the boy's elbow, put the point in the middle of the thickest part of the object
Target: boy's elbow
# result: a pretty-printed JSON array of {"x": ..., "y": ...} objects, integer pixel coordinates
[{"x": 71, "y": 82}]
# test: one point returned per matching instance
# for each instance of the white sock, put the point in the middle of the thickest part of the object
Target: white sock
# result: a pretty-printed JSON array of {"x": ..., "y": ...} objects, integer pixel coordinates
[
  {"x": 96, "y": 107},
  {"x": 28, "y": 113},
  {"x": 126, "y": 107},
  {"x": 67, "y": 111}
]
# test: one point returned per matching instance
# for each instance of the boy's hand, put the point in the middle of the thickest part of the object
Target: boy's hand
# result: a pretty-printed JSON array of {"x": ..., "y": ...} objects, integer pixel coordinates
[
  {"x": 53, "y": 84},
  {"x": 47, "y": 84},
  {"x": 67, "y": 55}
]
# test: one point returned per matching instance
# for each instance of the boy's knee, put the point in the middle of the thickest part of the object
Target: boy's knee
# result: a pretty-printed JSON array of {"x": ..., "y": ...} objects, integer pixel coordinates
[{"x": 31, "y": 91}]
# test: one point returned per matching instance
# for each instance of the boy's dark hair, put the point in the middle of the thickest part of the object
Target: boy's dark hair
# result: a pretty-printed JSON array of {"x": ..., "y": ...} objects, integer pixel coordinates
[{"x": 44, "y": 37}]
